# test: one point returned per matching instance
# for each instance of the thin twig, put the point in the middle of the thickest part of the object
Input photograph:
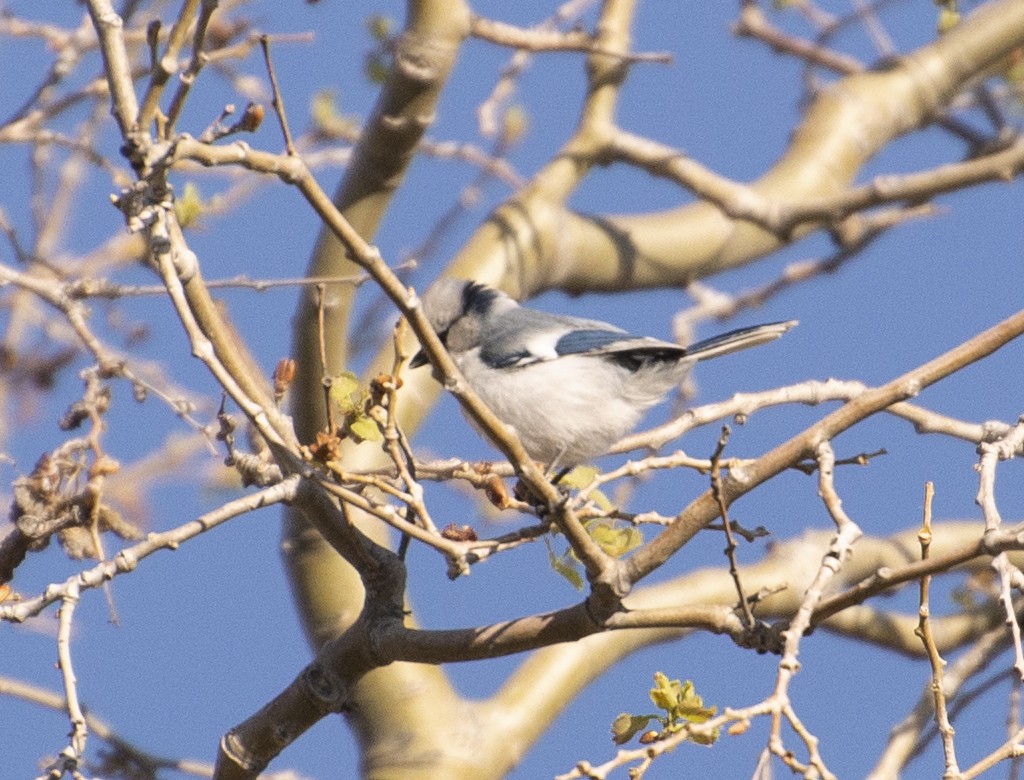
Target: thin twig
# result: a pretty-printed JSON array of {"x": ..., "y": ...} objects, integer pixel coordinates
[
  {"x": 730, "y": 542},
  {"x": 70, "y": 758},
  {"x": 325, "y": 379},
  {"x": 277, "y": 103},
  {"x": 163, "y": 67},
  {"x": 196, "y": 64},
  {"x": 924, "y": 631}
]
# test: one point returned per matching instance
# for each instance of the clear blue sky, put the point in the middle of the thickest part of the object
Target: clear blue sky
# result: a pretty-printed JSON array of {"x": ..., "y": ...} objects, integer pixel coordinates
[{"x": 208, "y": 633}]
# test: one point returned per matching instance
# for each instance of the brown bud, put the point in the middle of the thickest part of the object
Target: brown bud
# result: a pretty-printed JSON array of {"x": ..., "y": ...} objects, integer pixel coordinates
[
  {"x": 737, "y": 728},
  {"x": 284, "y": 375},
  {"x": 496, "y": 492},
  {"x": 326, "y": 448},
  {"x": 252, "y": 118}
]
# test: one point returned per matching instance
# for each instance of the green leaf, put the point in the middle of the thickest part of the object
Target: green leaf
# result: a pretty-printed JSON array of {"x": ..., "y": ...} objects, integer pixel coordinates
[
  {"x": 948, "y": 19},
  {"x": 516, "y": 123},
  {"x": 327, "y": 117},
  {"x": 614, "y": 537},
  {"x": 565, "y": 565},
  {"x": 665, "y": 692},
  {"x": 680, "y": 701},
  {"x": 706, "y": 739},
  {"x": 627, "y": 726},
  {"x": 599, "y": 498},
  {"x": 189, "y": 206},
  {"x": 346, "y": 382},
  {"x": 377, "y": 67},
  {"x": 691, "y": 706},
  {"x": 580, "y": 477},
  {"x": 344, "y": 392},
  {"x": 380, "y": 26},
  {"x": 363, "y": 428},
  {"x": 323, "y": 107}
]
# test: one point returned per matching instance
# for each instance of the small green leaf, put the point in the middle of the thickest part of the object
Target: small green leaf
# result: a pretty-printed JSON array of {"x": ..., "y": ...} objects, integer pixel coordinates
[
  {"x": 579, "y": 477},
  {"x": 948, "y": 19},
  {"x": 365, "y": 429},
  {"x": 565, "y": 565},
  {"x": 376, "y": 68},
  {"x": 691, "y": 706},
  {"x": 614, "y": 538},
  {"x": 346, "y": 382},
  {"x": 627, "y": 726},
  {"x": 380, "y": 26},
  {"x": 680, "y": 701},
  {"x": 601, "y": 500},
  {"x": 344, "y": 392},
  {"x": 327, "y": 117},
  {"x": 665, "y": 692},
  {"x": 189, "y": 206},
  {"x": 516, "y": 123},
  {"x": 706, "y": 739}
]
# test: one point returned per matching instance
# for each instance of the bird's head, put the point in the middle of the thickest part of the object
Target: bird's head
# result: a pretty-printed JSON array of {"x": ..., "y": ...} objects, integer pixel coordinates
[{"x": 455, "y": 308}]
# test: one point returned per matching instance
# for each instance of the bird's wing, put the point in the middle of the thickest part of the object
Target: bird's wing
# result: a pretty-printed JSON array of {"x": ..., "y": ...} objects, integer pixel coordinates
[
  {"x": 520, "y": 337},
  {"x": 557, "y": 338},
  {"x": 734, "y": 340},
  {"x": 635, "y": 351},
  {"x": 526, "y": 348},
  {"x": 610, "y": 342}
]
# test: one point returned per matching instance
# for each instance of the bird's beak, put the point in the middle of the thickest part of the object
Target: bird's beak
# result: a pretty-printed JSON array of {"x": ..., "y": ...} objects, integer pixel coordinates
[{"x": 419, "y": 359}]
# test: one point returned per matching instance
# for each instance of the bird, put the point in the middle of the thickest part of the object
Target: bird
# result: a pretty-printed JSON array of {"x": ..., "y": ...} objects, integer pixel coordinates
[{"x": 569, "y": 387}]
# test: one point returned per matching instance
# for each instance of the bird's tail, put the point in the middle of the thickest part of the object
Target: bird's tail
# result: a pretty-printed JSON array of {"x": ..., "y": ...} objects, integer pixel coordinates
[{"x": 735, "y": 340}]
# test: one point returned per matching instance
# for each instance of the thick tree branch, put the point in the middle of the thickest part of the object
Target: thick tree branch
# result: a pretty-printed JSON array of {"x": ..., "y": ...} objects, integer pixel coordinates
[{"x": 705, "y": 509}]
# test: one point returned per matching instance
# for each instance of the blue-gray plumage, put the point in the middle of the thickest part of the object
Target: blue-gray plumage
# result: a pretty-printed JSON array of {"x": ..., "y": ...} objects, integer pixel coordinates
[{"x": 570, "y": 387}]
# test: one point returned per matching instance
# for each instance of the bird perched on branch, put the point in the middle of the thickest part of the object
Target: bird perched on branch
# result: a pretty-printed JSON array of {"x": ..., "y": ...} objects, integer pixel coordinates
[{"x": 570, "y": 387}]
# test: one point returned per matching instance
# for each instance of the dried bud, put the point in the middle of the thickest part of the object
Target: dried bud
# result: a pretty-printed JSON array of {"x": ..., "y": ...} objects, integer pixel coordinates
[
  {"x": 326, "y": 448},
  {"x": 78, "y": 543},
  {"x": 112, "y": 520},
  {"x": 109, "y": 369},
  {"x": 459, "y": 533},
  {"x": 104, "y": 467},
  {"x": 379, "y": 387},
  {"x": 385, "y": 383},
  {"x": 76, "y": 414}
]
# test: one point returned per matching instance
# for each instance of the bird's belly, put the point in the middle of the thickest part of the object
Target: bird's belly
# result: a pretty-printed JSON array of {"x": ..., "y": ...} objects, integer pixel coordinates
[{"x": 561, "y": 412}]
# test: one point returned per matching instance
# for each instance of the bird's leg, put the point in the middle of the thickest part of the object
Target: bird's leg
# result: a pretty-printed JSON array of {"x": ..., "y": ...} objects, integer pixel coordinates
[{"x": 562, "y": 474}]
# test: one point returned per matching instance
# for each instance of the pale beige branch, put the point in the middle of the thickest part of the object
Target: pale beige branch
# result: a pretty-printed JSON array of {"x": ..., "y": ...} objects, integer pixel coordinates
[
  {"x": 752, "y": 23},
  {"x": 542, "y": 38},
  {"x": 742, "y": 406}
]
